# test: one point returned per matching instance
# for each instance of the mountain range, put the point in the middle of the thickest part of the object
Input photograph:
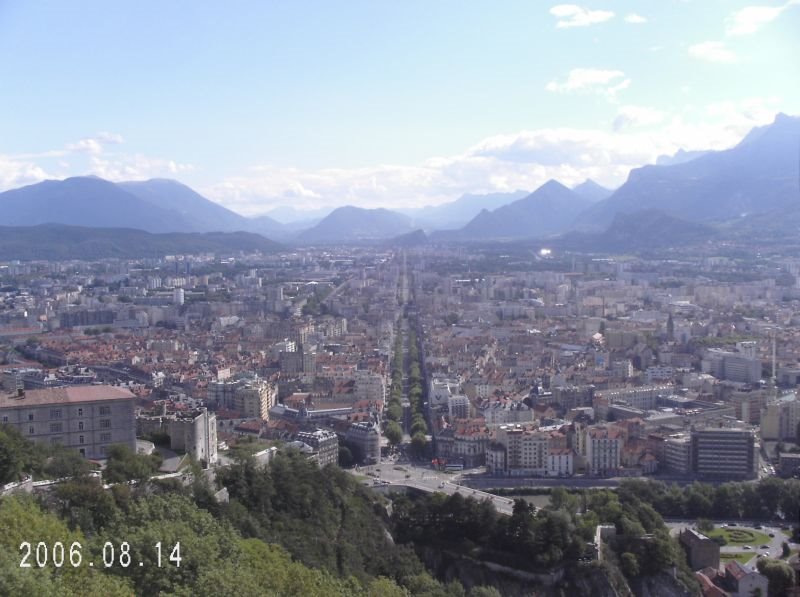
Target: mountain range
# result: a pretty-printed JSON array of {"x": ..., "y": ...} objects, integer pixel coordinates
[
  {"x": 751, "y": 187},
  {"x": 758, "y": 175}
]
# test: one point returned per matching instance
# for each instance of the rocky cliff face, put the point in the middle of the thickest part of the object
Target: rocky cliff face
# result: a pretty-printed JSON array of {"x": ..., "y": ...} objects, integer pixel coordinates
[{"x": 594, "y": 580}]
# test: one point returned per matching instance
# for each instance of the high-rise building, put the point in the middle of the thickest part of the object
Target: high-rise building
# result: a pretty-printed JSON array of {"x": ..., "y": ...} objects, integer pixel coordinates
[{"x": 724, "y": 453}]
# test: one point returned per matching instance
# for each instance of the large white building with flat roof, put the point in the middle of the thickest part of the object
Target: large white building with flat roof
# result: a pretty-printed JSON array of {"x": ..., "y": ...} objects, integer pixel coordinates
[{"x": 88, "y": 419}]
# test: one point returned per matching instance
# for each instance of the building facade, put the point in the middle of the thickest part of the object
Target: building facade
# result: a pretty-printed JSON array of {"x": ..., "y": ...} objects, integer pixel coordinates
[
  {"x": 88, "y": 419},
  {"x": 325, "y": 444},
  {"x": 724, "y": 453}
]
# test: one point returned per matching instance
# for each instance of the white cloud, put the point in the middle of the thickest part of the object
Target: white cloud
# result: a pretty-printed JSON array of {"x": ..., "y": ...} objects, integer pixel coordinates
[
  {"x": 16, "y": 172},
  {"x": 591, "y": 80},
  {"x": 571, "y": 15},
  {"x": 712, "y": 51},
  {"x": 628, "y": 116},
  {"x": 118, "y": 167},
  {"x": 750, "y": 19},
  {"x": 635, "y": 19},
  {"x": 94, "y": 144},
  {"x": 88, "y": 145},
  {"x": 521, "y": 160},
  {"x": 109, "y": 138}
]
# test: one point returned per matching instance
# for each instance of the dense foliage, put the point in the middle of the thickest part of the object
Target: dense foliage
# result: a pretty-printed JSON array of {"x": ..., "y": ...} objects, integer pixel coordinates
[
  {"x": 290, "y": 529},
  {"x": 538, "y": 541},
  {"x": 769, "y": 499}
]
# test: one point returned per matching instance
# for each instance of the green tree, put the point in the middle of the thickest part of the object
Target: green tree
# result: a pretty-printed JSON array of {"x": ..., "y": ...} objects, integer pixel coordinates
[
  {"x": 125, "y": 465},
  {"x": 705, "y": 525},
  {"x": 22, "y": 519},
  {"x": 779, "y": 574},
  {"x": 171, "y": 520},
  {"x": 419, "y": 445},
  {"x": 67, "y": 463},
  {"x": 394, "y": 411},
  {"x": 19, "y": 455},
  {"x": 629, "y": 564},
  {"x": 393, "y": 433},
  {"x": 345, "y": 457}
]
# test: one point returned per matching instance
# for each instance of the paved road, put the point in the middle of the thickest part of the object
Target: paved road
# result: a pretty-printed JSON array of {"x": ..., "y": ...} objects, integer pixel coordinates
[{"x": 427, "y": 479}]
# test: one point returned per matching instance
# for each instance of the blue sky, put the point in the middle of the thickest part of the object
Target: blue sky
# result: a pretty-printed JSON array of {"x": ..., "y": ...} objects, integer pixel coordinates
[{"x": 382, "y": 103}]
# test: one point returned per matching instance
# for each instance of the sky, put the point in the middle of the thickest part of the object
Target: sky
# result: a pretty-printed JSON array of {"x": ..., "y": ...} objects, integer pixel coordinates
[{"x": 382, "y": 103}]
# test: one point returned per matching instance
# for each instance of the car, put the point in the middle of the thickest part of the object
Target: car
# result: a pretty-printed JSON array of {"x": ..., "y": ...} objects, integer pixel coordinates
[
  {"x": 441, "y": 484},
  {"x": 758, "y": 526},
  {"x": 764, "y": 547},
  {"x": 772, "y": 534},
  {"x": 747, "y": 547}
]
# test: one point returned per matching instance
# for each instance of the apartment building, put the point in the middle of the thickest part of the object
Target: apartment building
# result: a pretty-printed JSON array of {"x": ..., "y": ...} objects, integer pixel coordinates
[
  {"x": 250, "y": 396},
  {"x": 603, "y": 450},
  {"x": 324, "y": 443}
]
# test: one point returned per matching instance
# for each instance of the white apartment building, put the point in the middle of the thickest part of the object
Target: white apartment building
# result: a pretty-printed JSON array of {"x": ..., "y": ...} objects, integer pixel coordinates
[{"x": 603, "y": 450}]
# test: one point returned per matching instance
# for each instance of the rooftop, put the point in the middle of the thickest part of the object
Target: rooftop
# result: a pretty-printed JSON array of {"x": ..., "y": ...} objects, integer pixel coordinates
[{"x": 65, "y": 395}]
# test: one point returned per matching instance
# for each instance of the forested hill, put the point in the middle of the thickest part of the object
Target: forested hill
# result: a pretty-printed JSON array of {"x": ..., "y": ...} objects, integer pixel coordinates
[
  {"x": 60, "y": 242},
  {"x": 292, "y": 529}
]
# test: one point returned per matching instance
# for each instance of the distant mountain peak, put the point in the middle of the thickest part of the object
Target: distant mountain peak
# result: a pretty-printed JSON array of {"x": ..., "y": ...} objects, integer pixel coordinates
[
  {"x": 592, "y": 191},
  {"x": 351, "y": 223},
  {"x": 548, "y": 210},
  {"x": 552, "y": 184}
]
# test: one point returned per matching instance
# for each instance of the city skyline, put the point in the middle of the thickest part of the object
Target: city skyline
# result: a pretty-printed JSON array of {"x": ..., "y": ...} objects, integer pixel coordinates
[{"x": 312, "y": 105}]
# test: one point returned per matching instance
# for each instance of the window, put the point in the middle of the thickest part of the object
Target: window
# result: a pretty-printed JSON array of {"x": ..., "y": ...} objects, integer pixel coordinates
[
  {"x": 55, "y": 413},
  {"x": 80, "y": 439},
  {"x": 55, "y": 440},
  {"x": 5, "y": 419},
  {"x": 31, "y": 430},
  {"x": 80, "y": 425},
  {"x": 105, "y": 437},
  {"x": 82, "y": 452},
  {"x": 105, "y": 423},
  {"x": 30, "y": 416},
  {"x": 55, "y": 427},
  {"x": 80, "y": 412},
  {"x": 103, "y": 449},
  {"x": 105, "y": 410}
]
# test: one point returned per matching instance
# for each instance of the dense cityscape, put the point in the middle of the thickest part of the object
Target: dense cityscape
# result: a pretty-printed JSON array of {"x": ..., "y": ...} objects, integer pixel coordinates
[{"x": 420, "y": 299}]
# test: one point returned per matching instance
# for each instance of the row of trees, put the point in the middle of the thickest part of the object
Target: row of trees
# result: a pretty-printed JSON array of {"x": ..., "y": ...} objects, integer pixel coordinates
[
  {"x": 769, "y": 499},
  {"x": 394, "y": 410},
  {"x": 394, "y": 407},
  {"x": 416, "y": 393}
]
